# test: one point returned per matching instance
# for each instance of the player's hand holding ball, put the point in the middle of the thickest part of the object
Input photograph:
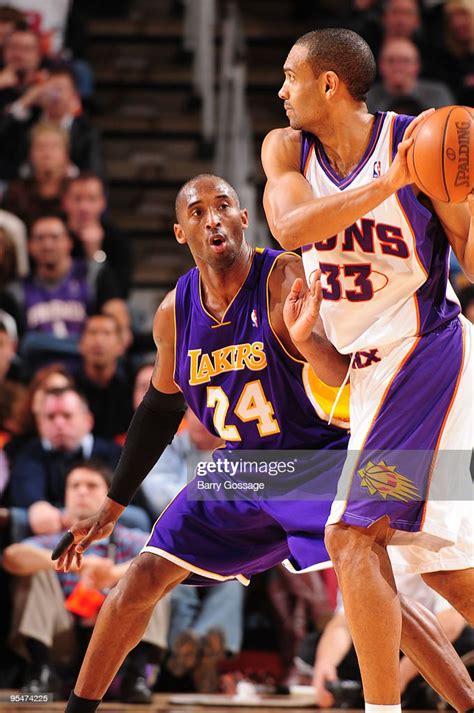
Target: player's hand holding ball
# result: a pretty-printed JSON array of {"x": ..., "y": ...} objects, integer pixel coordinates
[{"x": 441, "y": 156}]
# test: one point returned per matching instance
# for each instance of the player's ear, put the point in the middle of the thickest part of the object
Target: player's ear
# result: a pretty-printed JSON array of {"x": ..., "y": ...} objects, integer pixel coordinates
[
  {"x": 244, "y": 216},
  {"x": 331, "y": 83},
  {"x": 179, "y": 234}
]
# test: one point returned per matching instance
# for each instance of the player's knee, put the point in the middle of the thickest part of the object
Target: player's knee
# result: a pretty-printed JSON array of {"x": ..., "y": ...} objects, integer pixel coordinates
[
  {"x": 147, "y": 579},
  {"x": 345, "y": 545}
]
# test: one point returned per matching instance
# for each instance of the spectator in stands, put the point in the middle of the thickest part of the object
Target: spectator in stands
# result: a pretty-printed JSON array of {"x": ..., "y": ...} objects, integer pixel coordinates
[
  {"x": 84, "y": 203},
  {"x": 53, "y": 376},
  {"x": 57, "y": 102},
  {"x": 10, "y": 20},
  {"x": 59, "y": 293},
  {"x": 399, "y": 19},
  {"x": 17, "y": 231},
  {"x": 64, "y": 424},
  {"x": 335, "y": 657},
  {"x": 22, "y": 62},
  {"x": 48, "y": 18},
  {"x": 102, "y": 378},
  {"x": 50, "y": 618},
  {"x": 453, "y": 62},
  {"x": 9, "y": 363},
  {"x": 11, "y": 374},
  {"x": 61, "y": 34},
  {"x": 399, "y": 67},
  {"x": 51, "y": 168},
  {"x": 8, "y": 275},
  {"x": 118, "y": 309}
]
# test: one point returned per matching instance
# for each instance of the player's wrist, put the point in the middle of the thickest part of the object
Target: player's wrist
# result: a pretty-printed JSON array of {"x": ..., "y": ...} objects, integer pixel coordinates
[{"x": 110, "y": 511}]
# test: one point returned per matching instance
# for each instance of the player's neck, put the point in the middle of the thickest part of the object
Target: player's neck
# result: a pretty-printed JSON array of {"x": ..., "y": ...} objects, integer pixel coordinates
[
  {"x": 345, "y": 141},
  {"x": 219, "y": 287}
]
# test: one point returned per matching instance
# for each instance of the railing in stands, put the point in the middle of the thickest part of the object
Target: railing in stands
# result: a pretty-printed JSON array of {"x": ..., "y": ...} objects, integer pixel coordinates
[
  {"x": 200, "y": 39},
  {"x": 232, "y": 132}
]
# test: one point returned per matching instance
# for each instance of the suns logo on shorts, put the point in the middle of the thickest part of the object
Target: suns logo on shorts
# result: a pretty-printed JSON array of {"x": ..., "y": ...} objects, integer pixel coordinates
[{"x": 383, "y": 479}]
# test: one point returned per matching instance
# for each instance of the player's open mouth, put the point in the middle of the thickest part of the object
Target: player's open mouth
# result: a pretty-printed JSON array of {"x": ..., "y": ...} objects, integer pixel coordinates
[{"x": 217, "y": 243}]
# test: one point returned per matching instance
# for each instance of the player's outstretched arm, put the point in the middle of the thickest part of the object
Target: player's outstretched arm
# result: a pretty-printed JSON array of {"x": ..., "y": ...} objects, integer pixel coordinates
[
  {"x": 295, "y": 216},
  {"x": 294, "y": 314},
  {"x": 152, "y": 428}
]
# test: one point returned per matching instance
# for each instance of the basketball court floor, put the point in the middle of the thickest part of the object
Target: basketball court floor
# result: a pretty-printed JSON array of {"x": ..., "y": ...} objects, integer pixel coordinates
[{"x": 168, "y": 703}]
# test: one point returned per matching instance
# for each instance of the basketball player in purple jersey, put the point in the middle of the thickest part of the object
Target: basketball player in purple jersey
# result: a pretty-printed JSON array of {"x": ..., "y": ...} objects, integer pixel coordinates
[
  {"x": 222, "y": 341},
  {"x": 339, "y": 188}
]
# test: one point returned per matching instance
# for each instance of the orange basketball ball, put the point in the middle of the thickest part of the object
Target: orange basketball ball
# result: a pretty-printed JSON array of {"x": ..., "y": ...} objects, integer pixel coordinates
[{"x": 441, "y": 158}]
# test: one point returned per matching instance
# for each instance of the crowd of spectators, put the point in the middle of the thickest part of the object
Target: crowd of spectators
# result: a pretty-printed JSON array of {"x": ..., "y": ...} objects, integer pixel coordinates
[{"x": 70, "y": 378}]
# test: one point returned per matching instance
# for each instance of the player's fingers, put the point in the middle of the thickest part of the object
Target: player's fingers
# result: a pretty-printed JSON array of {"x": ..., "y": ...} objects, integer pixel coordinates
[
  {"x": 411, "y": 128},
  {"x": 319, "y": 291},
  {"x": 61, "y": 562},
  {"x": 68, "y": 559},
  {"x": 78, "y": 560},
  {"x": 66, "y": 541},
  {"x": 405, "y": 145},
  {"x": 296, "y": 289},
  {"x": 88, "y": 539},
  {"x": 315, "y": 281}
]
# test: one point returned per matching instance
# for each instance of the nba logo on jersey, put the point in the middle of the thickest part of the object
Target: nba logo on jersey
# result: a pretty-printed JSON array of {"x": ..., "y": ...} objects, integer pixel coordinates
[
  {"x": 253, "y": 317},
  {"x": 377, "y": 170}
]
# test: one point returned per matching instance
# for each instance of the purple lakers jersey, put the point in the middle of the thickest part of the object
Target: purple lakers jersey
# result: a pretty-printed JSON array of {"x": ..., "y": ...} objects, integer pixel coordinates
[
  {"x": 237, "y": 376},
  {"x": 60, "y": 308}
]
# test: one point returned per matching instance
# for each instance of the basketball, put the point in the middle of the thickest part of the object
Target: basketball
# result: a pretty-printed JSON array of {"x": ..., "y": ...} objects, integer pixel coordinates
[{"x": 441, "y": 158}]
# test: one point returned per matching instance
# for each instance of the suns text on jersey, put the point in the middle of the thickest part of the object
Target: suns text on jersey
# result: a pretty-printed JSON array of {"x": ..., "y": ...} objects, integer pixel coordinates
[{"x": 234, "y": 357}]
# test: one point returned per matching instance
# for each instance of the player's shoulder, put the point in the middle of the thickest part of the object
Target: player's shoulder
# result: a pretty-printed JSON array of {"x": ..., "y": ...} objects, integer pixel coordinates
[
  {"x": 164, "y": 315},
  {"x": 282, "y": 137},
  {"x": 281, "y": 142},
  {"x": 287, "y": 266},
  {"x": 167, "y": 304}
]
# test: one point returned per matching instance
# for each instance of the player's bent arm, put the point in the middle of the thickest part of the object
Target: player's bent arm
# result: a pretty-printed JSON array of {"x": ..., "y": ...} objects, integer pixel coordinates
[
  {"x": 295, "y": 216},
  {"x": 316, "y": 349},
  {"x": 457, "y": 220},
  {"x": 23, "y": 560}
]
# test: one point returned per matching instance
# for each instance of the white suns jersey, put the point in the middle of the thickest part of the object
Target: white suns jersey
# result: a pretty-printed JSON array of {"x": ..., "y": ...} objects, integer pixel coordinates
[{"x": 385, "y": 276}]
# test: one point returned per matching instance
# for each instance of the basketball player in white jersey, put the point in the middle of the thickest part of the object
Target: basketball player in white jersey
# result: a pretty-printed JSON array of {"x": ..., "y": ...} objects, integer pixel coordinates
[{"x": 339, "y": 188}]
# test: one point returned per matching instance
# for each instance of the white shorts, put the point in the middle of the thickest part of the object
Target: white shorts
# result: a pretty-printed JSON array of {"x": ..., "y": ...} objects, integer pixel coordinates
[{"x": 412, "y": 432}]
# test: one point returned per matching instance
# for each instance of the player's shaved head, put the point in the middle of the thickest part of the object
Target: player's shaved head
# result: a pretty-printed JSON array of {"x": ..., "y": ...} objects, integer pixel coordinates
[{"x": 185, "y": 193}]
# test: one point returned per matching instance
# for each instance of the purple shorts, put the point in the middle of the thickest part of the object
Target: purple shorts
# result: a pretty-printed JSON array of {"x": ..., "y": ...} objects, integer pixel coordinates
[{"x": 241, "y": 534}]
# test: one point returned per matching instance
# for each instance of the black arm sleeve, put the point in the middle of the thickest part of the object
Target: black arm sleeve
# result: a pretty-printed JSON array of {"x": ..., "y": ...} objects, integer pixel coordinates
[{"x": 152, "y": 428}]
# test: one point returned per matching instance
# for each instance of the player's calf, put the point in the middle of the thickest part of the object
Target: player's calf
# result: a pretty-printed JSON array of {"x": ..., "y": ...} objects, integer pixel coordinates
[{"x": 456, "y": 586}]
